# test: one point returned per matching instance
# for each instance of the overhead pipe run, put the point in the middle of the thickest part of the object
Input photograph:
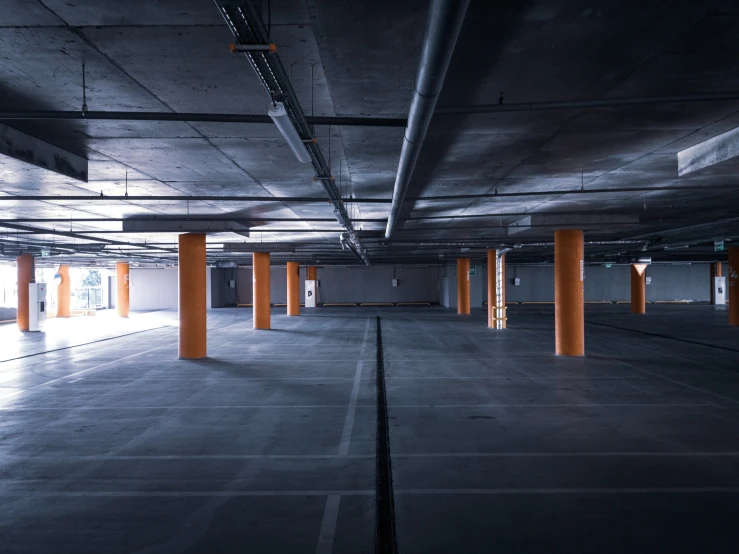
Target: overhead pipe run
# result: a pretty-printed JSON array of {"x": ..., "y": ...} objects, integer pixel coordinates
[
  {"x": 442, "y": 30},
  {"x": 585, "y": 104}
]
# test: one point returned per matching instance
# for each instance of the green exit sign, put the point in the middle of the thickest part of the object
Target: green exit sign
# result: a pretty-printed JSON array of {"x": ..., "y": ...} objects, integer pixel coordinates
[
  {"x": 718, "y": 246},
  {"x": 609, "y": 266},
  {"x": 473, "y": 270}
]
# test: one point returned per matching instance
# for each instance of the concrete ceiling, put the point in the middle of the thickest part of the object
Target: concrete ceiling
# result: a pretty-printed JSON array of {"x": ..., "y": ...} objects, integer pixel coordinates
[{"x": 359, "y": 58}]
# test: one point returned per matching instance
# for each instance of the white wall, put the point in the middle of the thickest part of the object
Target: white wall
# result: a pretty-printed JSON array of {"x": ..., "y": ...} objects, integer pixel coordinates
[{"x": 153, "y": 289}]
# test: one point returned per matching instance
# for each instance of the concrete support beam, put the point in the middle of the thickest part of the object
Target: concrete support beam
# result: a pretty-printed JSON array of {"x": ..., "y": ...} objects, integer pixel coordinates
[
  {"x": 122, "y": 289},
  {"x": 293, "y": 288},
  {"x": 570, "y": 221},
  {"x": 192, "y": 315},
  {"x": 26, "y": 148},
  {"x": 63, "y": 293},
  {"x": 261, "y": 292},
  {"x": 26, "y": 272},
  {"x": 638, "y": 288},
  {"x": 463, "y": 286},
  {"x": 709, "y": 152},
  {"x": 569, "y": 300}
]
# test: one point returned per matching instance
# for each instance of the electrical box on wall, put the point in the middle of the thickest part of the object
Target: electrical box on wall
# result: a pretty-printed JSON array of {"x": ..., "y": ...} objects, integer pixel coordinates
[
  {"x": 395, "y": 282},
  {"x": 232, "y": 283},
  {"x": 649, "y": 280},
  {"x": 311, "y": 287},
  {"x": 516, "y": 281},
  {"x": 36, "y": 306}
]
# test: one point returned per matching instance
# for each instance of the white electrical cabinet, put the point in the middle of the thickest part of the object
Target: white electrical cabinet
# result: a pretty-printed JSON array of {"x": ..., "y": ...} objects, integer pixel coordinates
[
  {"x": 311, "y": 287},
  {"x": 36, "y": 306},
  {"x": 719, "y": 290}
]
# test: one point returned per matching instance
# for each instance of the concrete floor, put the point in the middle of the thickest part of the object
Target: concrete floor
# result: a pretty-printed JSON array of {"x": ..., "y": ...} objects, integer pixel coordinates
[{"x": 269, "y": 445}]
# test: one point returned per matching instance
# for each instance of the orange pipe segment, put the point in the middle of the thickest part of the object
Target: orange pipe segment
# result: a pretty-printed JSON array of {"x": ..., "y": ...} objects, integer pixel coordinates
[
  {"x": 293, "y": 288},
  {"x": 25, "y": 276},
  {"x": 193, "y": 328},
  {"x": 261, "y": 296},
  {"x": 463, "y": 286},
  {"x": 312, "y": 273},
  {"x": 734, "y": 285},
  {"x": 63, "y": 293},
  {"x": 569, "y": 302},
  {"x": 122, "y": 289},
  {"x": 638, "y": 290}
]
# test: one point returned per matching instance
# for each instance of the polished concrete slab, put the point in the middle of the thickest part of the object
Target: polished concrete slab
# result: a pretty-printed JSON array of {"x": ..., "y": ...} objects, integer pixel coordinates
[{"x": 268, "y": 445}]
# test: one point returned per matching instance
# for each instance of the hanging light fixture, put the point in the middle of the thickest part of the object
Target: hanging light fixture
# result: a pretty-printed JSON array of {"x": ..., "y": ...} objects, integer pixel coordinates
[{"x": 289, "y": 133}]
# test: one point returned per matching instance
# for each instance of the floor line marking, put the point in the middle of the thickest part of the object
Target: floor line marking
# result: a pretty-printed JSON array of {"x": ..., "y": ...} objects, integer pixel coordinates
[
  {"x": 183, "y": 494},
  {"x": 670, "y": 379},
  {"x": 94, "y": 368},
  {"x": 335, "y": 457},
  {"x": 346, "y": 434},
  {"x": 328, "y": 525},
  {"x": 625, "y": 490}
]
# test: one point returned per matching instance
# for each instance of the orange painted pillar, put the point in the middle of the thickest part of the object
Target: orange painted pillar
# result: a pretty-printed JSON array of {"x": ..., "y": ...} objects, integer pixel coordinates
[
  {"x": 312, "y": 273},
  {"x": 569, "y": 303},
  {"x": 638, "y": 288},
  {"x": 63, "y": 293},
  {"x": 261, "y": 295},
  {"x": 734, "y": 285},
  {"x": 26, "y": 275},
  {"x": 122, "y": 289},
  {"x": 293, "y": 288},
  {"x": 193, "y": 329},
  {"x": 463, "y": 286}
]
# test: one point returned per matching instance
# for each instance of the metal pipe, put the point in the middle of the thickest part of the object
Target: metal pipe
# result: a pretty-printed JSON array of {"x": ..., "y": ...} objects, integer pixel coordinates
[
  {"x": 583, "y": 104},
  {"x": 194, "y": 117},
  {"x": 442, "y": 30}
]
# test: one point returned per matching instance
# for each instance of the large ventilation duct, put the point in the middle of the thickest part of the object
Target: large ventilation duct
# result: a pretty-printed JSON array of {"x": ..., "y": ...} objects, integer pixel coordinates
[{"x": 442, "y": 29}]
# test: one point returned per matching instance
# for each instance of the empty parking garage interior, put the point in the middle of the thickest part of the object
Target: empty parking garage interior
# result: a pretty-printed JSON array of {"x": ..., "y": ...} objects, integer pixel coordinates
[{"x": 329, "y": 276}]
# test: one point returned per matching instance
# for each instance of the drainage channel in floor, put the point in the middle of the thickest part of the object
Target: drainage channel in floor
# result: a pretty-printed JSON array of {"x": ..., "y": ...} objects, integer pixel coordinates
[{"x": 385, "y": 540}]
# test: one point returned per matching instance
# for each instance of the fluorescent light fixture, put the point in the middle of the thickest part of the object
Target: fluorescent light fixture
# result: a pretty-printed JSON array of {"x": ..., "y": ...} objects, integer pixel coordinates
[{"x": 289, "y": 133}]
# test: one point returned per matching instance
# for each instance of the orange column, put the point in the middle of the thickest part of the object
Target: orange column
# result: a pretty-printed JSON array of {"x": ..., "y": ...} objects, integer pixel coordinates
[
  {"x": 122, "y": 286},
  {"x": 26, "y": 272},
  {"x": 638, "y": 288},
  {"x": 734, "y": 285},
  {"x": 463, "y": 286},
  {"x": 569, "y": 304},
  {"x": 712, "y": 274},
  {"x": 293, "y": 288},
  {"x": 63, "y": 293},
  {"x": 261, "y": 290},
  {"x": 191, "y": 258},
  {"x": 312, "y": 273}
]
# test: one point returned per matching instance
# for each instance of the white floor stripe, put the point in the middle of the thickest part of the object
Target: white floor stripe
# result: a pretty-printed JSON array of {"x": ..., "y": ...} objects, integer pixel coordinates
[{"x": 328, "y": 525}]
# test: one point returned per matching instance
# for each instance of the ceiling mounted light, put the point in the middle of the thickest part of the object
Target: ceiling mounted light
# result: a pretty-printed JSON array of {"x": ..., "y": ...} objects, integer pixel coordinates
[{"x": 289, "y": 133}]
